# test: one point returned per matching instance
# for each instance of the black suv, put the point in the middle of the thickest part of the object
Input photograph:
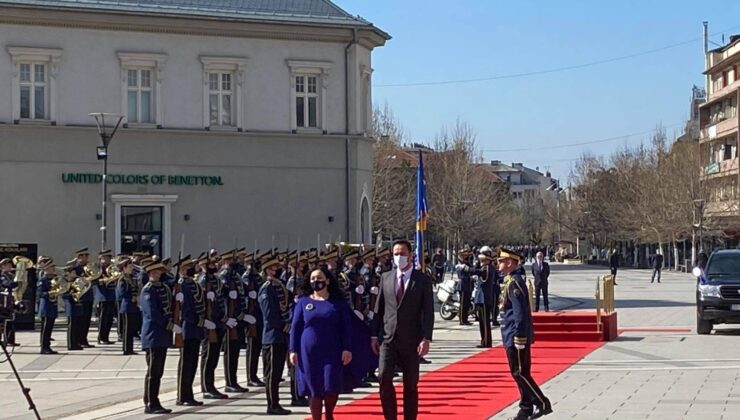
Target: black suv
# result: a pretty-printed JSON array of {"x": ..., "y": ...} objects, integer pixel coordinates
[{"x": 718, "y": 291}]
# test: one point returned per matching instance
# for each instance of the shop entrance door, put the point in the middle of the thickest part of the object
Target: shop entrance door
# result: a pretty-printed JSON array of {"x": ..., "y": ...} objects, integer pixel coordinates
[{"x": 141, "y": 229}]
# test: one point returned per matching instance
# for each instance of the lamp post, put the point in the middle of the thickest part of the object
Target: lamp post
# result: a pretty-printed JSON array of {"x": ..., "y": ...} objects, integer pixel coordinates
[
  {"x": 698, "y": 223},
  {"x": 556, "y": 188},
  {"x": 106, "y": 130}
]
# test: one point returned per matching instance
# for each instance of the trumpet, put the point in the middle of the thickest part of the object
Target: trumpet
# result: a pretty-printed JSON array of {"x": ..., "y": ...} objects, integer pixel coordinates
[{"x": 22, "y": 264}]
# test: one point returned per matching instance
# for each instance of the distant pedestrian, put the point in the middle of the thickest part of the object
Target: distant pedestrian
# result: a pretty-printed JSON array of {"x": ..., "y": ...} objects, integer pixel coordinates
[
  {"x": 541, "y": 274},
  {"x": 439, "y": 260},
  {"x": 657, "y": 265},
  {"x": 614, "y": 265}
]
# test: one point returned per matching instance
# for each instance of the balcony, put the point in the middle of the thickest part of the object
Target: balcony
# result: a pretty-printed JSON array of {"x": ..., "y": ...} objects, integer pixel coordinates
[
  {"x": 719, "y": 129},
  {"x": 720, "y": 169},
  {"x": 722, "y": 208}
]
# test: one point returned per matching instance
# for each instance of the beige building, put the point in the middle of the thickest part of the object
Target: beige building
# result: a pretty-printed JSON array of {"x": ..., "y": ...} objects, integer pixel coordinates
[
  {"x": 244, "y": 123},
  {"x": 718, "y": 136}
]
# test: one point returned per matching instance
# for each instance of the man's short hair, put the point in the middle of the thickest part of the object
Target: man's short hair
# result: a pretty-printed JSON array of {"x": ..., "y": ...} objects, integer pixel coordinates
[{"x": 403, "y": 242}]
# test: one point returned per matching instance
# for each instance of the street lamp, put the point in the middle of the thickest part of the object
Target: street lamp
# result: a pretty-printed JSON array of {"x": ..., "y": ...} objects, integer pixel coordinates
[
  {"x": 699, "y": 223},
  {"x": 106, "y": 130},
  {"x": 555, "y": 186}
]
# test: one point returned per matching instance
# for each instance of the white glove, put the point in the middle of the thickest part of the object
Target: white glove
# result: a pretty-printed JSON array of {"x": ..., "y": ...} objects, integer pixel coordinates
[
  {"x": 359, "y": 314},
  {"x": 209, "y": 325},
  {"x": 459, "y": 267},
  {"x": 370, "y": 315},
  {"x": 231, "y": 322},
  {"x": 519, "y": 346},
  {"x": 179, "y": 297},
  {"x": 360, "y": 289},
  {"x": 374, "y": 290},
  {"x": 233, "y": 295},
  {"x": 250, "y": 319},
  {"x": 210, "y": 296},
  {"x": 176, "y": 329},
  {"x": 252, "y": 294}
]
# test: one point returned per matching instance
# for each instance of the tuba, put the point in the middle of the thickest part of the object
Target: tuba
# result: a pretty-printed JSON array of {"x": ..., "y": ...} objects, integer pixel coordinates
[
  {"x": 59, "y": 285},
  {"x": 22, "y": 264},
  {"x": 82, "y": 285}
]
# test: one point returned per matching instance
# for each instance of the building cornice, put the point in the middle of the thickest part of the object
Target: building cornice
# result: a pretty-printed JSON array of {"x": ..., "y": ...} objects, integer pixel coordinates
[{"x": 369, "y": 37}]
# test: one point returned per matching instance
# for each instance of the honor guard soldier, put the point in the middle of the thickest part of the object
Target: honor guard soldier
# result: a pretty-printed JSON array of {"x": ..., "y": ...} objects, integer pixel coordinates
[
  {"x": 48, "y": 310},
  {"x": 87, "y": 299},
  {"x": 239, "y": 267},
  {"x": 274, "y": 300},
  {"x": 156, "y": 334},
  {"x": 484, "y": 296},
  {"x": 216, "y": 313},
  {"x": 232, "y": 287},
  {"x": 105, "y": 295},
  {"x": 190, "y": 299},
  {"x": 465, "y": 286},
  {"x": 518, "y": 336},
  {"x": 74, "y": 311},
  {"x": 252, "y": 282},
  {"x": 7, "y": 284},
  {"x": 127, "y": 291},
  {"x": 169, "y": 279}
]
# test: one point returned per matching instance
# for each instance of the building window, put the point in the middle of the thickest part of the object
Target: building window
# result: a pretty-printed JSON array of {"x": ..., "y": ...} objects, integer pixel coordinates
[
  {"x": 309, "y": 81},
  {"x": 33, "y": 92},
  {"x": 223, "y": 92},
  {"x": 306, "y": 101},
  {"x": 139, "y": 95},
  {"x": 220, "y": 95},
  {"x": 141, "y": 87}
]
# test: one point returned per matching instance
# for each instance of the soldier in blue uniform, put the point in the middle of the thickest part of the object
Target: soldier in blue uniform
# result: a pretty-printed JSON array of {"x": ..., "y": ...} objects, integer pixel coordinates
[
  {"x": 466, "y": 284},
  {"x": 127, "y": 292},
  {"x": 87, "y": 299},
  {"x": 518, "y": 336},
  {"x": 252, "y": 282},
  {"x": 216, "y": 313},
  {"x": 193, "y": 323},
  {"x": 484, "y": 296},
  {"x": 7, "y": 284},
  {"x": 105, "y": 295},
  {"x": 74, "y": 311},
  {"x": 235, "y": 307},
  {"x": 274, "y": 300},
  {"x": 156, "y": 334},
  {"x": 48, "y": 309}
]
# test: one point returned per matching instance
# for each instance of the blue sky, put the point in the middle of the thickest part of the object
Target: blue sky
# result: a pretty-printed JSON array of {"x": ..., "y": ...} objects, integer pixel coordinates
[{"x": 451, "y": 40}]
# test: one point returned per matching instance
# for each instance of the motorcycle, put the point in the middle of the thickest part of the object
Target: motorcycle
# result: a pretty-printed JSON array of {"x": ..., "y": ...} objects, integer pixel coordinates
[{"x": 447, "y": 294}]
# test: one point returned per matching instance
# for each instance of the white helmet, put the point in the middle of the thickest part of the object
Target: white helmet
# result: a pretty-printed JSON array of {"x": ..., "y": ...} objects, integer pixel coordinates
[{"x": 485, "y": 249}]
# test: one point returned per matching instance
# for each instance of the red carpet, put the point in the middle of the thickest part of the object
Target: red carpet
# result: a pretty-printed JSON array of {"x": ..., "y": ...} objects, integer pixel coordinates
[{"x": 476, "y": 387}]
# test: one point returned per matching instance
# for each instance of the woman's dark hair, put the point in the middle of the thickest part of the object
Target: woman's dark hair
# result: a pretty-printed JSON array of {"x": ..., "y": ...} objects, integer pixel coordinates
[
  {"x": 403, "y": 242},
  {"x": 334, "y": 291},
  {"x": 303, "y": 286}
]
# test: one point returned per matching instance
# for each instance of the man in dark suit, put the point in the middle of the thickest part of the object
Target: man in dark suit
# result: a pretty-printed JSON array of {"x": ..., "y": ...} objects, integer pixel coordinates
[
  {"x": 403, "y": 322},
  {"x": 541, "y": 273},
  {"x": 614, "y": 265},
  {"x": 466, "y": 284},
  {"x": 657, "y": 265}
]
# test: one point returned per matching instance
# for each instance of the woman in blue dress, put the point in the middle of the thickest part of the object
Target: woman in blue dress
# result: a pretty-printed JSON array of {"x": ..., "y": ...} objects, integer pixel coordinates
[{"x": 320, "y": 343}]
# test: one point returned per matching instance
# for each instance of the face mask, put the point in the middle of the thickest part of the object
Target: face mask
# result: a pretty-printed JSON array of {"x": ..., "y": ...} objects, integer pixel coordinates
[
  {"x": 400, "y": 261},
  {"x": 318, "y": 285}
]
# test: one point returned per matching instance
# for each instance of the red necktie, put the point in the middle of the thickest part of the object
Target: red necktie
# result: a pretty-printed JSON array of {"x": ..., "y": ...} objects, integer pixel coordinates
[{"x": 399, "y": 289}]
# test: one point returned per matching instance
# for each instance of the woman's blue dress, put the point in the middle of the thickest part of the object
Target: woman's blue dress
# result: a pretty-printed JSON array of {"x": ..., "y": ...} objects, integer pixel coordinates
[{"x": 320, "y": 332}]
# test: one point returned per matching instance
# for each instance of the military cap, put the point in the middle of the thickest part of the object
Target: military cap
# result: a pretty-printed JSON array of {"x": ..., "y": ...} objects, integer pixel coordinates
[
  {"x": 45, "y": 262},
  {"x": 6, "y": 261},
  {"x": 486, "y": 255},
  {"x": 369, "y": 253},
  {"x": 385, "y": 252},
  {"x": 352, "y": 254},
  {"x": 42, "y": 259},
  {"x": 185, "y": 261},
  {"x": 329, "y": 255},
  {"x": 166, "y": 261},
  {"x": 154, "y": 266},
  {"x": 81, "y": 252},
  {"x": 204, "y": 258},
  {"x": 105, "y": 253},
  {"x": 70, "y": 265},
  {"x": 504, "y": 253},
  {"x": 140, "y": 254},
  {"x": 146, "y": 261},
  {"x": 242, "y": 252},
  {"x": 229, "y": 254},
  {"x": 465, "y": 251},
  {"x": 271, "y": 263},
  {"x": 123, "y": 260}
]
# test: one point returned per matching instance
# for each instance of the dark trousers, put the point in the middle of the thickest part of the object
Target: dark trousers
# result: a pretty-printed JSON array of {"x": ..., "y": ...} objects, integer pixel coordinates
[
  {"x": 231, "y": 357},
  {"x": 465, "y": 305},
  {"x": 254, "y": 348},
  {"x": 656, "y": 271},
  {"x": 293, "y": 383},
  {"x": 130, "y": 321},
  {"x": 407, "y": 358},
  {"x": 155, "y": 358},
  {"x": 74, "y": 324},
  {"x": 107, "y": 312},
  {"x": 47, "y": 325},
  {"x": 541, "y": 289},
  {"x": 484, "y": 324},
  {"x": 520, "y": 365},
  {"x": 9, "y": 332},
  {"x": 87, "y": 308},
  {"x": 274, "y": 356},
  {"x": 209, "y": 361},
  {"x": 186, "y": 369}
]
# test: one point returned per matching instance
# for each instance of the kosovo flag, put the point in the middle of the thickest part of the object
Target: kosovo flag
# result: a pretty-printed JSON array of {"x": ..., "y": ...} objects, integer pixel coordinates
[{"x": 421, "y": 212}]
